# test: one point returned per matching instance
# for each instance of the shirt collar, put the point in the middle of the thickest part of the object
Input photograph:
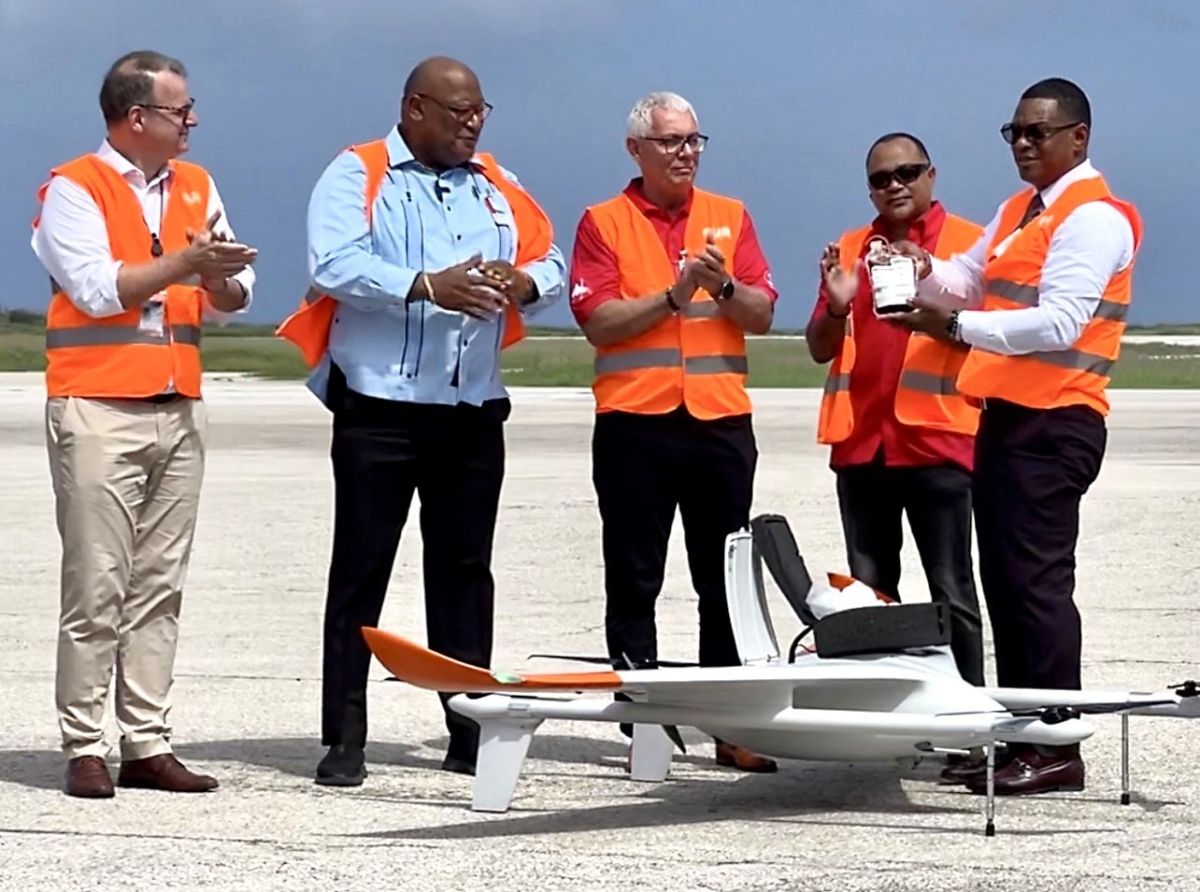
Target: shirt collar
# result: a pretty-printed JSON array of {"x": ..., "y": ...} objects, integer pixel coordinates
[
  {"x": 127, "y": 169},
  {"x": 922, "y": 230},
  {"x": 1054, "y": 191},
  {"x": 647, "y": 207},
  {"x": 400, "y": 154}
]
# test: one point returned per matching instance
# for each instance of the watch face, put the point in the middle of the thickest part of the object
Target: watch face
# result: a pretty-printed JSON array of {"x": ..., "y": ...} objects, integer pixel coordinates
[{"x": 727, "y": 289}]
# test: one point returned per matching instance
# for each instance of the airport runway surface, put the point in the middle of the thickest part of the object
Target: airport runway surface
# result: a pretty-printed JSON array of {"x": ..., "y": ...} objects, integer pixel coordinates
[{"x": 247, "y": 694}]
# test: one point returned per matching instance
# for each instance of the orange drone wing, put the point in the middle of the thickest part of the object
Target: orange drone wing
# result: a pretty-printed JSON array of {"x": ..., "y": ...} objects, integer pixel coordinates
[{"x": 419, "y": 666}]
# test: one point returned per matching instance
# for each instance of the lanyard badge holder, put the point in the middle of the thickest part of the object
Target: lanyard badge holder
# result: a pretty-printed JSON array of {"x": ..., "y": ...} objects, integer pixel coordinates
[
  {"x": 893, "y": 278},
  {"x": 152, "y": 320}
]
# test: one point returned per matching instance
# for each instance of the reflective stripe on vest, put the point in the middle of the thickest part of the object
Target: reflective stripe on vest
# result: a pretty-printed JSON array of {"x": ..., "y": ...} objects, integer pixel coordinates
[
  {"x": 1012, "y": 274},
  {"x": 109, "y": 335},
  {"x": 926, "y": 394},
  {"x": 669, "y": 358},
  {"x": 695, "y": 358},
  {"x": 115, "y": 357},
  {"x": 308, "y": 327},
  {"x": 926, "y": 382}
]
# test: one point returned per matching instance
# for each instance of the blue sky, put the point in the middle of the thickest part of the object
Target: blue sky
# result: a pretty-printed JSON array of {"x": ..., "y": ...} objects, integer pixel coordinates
[{"x": 791, "y": 94}]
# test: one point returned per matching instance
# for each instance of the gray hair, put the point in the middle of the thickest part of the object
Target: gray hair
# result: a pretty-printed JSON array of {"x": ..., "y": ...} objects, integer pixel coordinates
[{"x": 640, "y": 117}]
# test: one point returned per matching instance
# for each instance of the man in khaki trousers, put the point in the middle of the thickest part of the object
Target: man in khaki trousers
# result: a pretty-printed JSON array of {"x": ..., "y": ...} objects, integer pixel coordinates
[{"x": 138, "y": 252}]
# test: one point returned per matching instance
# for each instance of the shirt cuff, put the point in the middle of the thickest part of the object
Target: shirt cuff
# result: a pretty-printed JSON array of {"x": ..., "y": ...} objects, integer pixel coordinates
[
  {"x": 548, "y": 283},
  {"x": 972, "y": 328},
  {"x": 389, "y": 293}
]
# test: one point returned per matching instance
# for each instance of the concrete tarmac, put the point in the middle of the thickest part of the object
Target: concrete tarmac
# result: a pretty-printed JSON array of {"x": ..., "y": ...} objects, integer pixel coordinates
[{"x": 247, "y": 697}]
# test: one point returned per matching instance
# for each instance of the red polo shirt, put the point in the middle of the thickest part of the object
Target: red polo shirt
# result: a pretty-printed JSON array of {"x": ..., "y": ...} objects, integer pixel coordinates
[
  {"x": 876, "y": 374},
  {"x": 594, "y": 277}
]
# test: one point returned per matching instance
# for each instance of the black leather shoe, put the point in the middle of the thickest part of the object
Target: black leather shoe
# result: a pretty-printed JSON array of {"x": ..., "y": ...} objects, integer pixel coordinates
[
  {"x": 343, "y": 766},
  {"x": 458, "y": 766}
]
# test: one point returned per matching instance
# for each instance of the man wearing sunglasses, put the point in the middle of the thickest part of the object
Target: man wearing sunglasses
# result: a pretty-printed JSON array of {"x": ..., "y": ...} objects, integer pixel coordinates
[
  {"x": 901, "y": 437},
  {"x": 1041, "y": 299},
  {"x": 666, "y": 279},
  {"x": 425, "y": 255},
  {"x": 139, "y": 251}
]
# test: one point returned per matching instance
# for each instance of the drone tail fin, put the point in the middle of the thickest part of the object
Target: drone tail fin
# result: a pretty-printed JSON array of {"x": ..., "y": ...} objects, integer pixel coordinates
[{"x": 419, "y": 666}]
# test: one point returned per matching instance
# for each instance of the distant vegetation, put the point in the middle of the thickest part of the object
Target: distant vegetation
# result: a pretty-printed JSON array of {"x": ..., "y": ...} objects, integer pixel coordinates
[{"x": 561, "y": 357}]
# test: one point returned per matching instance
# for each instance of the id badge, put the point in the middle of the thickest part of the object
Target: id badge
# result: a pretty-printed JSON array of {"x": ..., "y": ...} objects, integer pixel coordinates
[{"x": 151, "y": 321}]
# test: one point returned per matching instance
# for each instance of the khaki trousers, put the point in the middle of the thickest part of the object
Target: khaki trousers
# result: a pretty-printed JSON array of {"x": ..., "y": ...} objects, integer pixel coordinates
[{"x": 127, "y": 476}]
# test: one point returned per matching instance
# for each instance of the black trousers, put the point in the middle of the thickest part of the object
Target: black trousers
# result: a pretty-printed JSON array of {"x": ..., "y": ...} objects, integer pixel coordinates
[
  {"x": 937, "y": 501},
  {"x": 644, "y": 467},
  {"x": 383, "y": 452},
  {"x": 1032, "y": 468}
]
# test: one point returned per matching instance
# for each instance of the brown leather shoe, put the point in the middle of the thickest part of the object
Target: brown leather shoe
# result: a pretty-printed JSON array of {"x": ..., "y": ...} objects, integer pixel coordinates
[
  {"x": 733, "y": 756},
  {"x": 87, "y": 778},
  {"x": 163, "y": 772},
  {"x": 963, "y": 770},
  {"x": 1032, "y": 772}
]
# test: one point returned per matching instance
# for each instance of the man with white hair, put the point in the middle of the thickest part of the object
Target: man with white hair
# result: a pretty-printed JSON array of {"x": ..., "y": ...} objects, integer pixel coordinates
[{"x": 666, "y": 279}]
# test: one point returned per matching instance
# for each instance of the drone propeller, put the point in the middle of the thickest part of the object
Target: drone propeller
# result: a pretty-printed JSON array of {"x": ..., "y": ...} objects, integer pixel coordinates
[
  {"x": 672, "y": 731},
  {"x": 1053, "y": 715},
  {"x": 606, "y": 661},
  {"x": 1187, "y": 688}
]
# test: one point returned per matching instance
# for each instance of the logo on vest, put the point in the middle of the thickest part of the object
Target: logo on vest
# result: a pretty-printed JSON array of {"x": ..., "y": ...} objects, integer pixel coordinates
[
  {"x": 716, "y": 232},
  {"x": 191, "y": 198}
]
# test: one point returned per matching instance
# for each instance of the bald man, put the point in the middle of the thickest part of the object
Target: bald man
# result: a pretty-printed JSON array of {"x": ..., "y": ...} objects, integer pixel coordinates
[{"x": 411, "y": 304}]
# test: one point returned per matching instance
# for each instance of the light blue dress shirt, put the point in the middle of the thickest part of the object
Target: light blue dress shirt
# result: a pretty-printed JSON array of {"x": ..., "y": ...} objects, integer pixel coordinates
[{"x": 421, "y": 220}]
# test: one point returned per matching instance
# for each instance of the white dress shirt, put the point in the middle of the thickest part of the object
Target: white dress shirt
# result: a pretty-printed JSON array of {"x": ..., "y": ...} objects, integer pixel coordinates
[
  {"x": 1092, "y": 244},
  {"x": 71, "y": 240}
]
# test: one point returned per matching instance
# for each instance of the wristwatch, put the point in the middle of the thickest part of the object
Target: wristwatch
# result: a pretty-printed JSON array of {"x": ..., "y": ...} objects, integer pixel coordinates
[
  {"x": 726, "y": 291},
  {"x": 952, "y": 326}
]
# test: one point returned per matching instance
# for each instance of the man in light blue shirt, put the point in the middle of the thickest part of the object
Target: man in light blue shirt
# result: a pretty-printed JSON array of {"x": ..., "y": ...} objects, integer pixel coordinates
[{"x": 412, "y": 377}]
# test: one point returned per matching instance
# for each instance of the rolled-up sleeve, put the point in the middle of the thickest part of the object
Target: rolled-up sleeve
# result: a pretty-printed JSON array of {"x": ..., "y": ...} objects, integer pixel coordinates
[
  {"x": 71, "y": 242},
  {"x": 340, "y": 260},
  {"x": 247, "y": 277},
  {"x": 549, "y": 273},
  {"x": 550, "y": 276}
]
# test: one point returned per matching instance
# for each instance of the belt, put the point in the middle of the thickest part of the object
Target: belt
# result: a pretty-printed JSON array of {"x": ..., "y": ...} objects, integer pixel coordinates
[{"x": 162, "y": 398}]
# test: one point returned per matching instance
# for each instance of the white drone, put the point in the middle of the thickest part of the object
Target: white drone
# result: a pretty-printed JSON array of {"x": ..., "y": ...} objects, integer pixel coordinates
[{"x": 879, "y": 685}]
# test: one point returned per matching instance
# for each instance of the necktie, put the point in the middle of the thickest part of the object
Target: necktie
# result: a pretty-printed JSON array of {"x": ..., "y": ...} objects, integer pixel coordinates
[{"x": 1035, "y": 208}]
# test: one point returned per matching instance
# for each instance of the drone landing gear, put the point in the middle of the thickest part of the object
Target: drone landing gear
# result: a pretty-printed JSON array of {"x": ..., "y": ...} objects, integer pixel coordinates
[
  {"x": 1125, "y": 797},
  {"x": 503, "y": 745},
  {"x": 990, "y": 807}
]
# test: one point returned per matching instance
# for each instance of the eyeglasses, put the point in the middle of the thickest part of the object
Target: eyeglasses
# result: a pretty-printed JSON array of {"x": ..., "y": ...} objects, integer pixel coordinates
[
  {"x": 1038, "y": 132},
  {"x": 905, "y": 175},
  {"x": 673, "y": 144},
  {"x": 181, "y": 110},
  {"x": 462, "y": 113}
]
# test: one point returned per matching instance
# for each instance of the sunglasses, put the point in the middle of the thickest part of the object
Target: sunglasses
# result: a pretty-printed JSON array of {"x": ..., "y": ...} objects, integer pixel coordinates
[
  {"x": 1039, "y": 132},
  {"x": 905, "y": 175}
]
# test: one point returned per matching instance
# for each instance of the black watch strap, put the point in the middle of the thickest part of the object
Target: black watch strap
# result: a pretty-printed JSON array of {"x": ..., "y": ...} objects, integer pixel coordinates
[{"x": 952, "y": 326}]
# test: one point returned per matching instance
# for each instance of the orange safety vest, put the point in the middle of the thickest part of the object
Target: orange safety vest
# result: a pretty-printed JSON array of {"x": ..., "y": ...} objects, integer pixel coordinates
[
  {"x": 926, "y": 395},
  {"x": 308, "y": 327},
  {"x": 696, "y": 357},
  {"x": 1049, "y": 378},
  {"x": 111, "y": 357}
]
